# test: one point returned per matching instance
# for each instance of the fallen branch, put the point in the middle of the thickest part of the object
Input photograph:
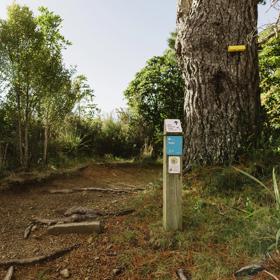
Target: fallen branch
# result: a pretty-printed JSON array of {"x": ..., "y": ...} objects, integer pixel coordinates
[
  {"x": 249, "y": 270},
  {"x": 181, "y": 275},
  {"x": 102, "y": 190},
  {"x": 10, "y": 273},
  {"x": 69, "y": 191},
  {"x": 40, "y": 259},
  {"x": 87, "y": 211}
]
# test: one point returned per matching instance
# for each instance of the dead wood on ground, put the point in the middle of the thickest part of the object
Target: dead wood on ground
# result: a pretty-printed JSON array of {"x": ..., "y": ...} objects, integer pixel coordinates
[
  {"x": 105, "y": 190},
  {"x": 40, "y": 259}
]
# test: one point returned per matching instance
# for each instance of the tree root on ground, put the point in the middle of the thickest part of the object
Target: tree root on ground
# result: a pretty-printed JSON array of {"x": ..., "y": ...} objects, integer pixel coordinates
[{"x": 40, "y": 259}]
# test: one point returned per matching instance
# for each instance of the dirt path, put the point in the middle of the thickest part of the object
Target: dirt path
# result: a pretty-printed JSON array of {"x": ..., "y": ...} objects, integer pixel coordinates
[{"x": 87, "y": 262}]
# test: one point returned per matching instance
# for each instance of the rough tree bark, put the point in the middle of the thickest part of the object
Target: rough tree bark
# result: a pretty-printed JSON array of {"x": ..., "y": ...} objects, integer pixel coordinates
[{"x": 222, "y": 89}]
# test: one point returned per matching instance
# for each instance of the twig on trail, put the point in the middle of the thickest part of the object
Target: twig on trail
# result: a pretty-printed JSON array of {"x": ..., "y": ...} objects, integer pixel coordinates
[
  {"x": 182, "y": 275},
  {"x": 103, "y": 190},
  {"x": 271, "y": 275},
  {"x": 40, "y": 259},
  {"x": 10, "y": 273},
  {"x": 69, "y": 191},
  {"x": 61, "y": 191},
  {"x": 28, "y": 230}
]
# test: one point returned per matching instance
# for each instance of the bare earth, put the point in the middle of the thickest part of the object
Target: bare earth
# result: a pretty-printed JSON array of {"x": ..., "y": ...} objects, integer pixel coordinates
[{"x": 96, "y": 258}]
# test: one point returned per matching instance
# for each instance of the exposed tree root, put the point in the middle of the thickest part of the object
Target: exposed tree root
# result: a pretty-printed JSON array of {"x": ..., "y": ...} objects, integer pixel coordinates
[
  {"x": 39, "y": 259},
  {"x": 10, "y": 273},
  {"x": 105, "y": 190}
]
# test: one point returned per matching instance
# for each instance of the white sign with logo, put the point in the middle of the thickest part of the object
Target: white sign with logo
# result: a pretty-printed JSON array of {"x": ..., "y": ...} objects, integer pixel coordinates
[
  {"x": 174, "y": 165},
  {"x": 173, "y": 126}
]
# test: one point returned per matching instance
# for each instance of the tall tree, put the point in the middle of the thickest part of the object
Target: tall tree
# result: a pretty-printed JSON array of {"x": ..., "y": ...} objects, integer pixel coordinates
[
  {"x": 222, "y": 98},
  {"x": 53, "y": 80},
  {"x": 20, "y": 44},
  {"x": 156, "y": 93}
]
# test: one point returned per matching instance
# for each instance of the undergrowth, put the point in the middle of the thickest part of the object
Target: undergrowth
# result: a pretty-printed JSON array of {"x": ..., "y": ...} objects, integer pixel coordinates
[{"x": 228, "y": 222}]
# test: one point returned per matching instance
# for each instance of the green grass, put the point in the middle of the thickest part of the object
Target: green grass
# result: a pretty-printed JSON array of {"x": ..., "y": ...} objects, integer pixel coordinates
[{"x": 227, "y": 224}]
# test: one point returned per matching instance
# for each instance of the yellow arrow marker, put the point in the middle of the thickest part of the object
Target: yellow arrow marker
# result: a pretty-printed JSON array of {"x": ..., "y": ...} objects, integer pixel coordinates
[{"x": 237, "y": 48}]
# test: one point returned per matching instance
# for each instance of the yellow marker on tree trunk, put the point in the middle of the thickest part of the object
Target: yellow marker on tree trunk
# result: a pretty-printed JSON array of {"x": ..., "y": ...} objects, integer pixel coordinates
[{"x": 237, "y": 48}]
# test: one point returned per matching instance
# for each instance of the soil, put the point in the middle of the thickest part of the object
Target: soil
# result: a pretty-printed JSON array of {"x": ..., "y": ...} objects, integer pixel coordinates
[{"x": 96, "y": 256}]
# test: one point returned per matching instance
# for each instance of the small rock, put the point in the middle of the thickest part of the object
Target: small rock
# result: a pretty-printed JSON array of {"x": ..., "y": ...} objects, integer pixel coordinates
[
  {"x": 117, "y": 271},
  {"x": 65, "y": 273},
  {"x": 90, "y": 240}
]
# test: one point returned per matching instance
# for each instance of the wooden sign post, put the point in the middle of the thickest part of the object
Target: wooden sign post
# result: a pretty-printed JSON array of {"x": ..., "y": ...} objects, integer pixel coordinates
[{"x": 172, "y": 175}]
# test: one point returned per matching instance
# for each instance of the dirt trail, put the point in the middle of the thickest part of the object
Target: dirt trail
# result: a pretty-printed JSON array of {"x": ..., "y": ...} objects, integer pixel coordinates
[{"x": 17, "y": 209}]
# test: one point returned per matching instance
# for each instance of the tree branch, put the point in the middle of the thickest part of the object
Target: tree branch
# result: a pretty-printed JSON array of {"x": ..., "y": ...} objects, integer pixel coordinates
[{"x": 272, "y": 34}]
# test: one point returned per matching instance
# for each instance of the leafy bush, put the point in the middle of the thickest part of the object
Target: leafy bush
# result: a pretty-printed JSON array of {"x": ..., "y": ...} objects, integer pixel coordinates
[{"x": 270, "y": 86}]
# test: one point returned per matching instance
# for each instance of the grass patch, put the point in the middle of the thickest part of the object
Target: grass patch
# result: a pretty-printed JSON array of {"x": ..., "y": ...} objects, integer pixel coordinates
[{"x": 227, "y": 223}]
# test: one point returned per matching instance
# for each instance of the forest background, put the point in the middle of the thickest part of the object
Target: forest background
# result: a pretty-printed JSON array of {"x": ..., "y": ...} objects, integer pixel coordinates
[{"x": 48, "y": 114}]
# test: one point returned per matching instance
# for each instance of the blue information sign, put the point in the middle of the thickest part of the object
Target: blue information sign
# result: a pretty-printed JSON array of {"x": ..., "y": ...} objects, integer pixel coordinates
[{"x": 174, "y": 145}]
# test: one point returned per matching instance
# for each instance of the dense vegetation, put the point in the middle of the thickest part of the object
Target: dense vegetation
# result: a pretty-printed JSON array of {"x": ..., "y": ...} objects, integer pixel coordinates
[{"x": 47, "y": 110}]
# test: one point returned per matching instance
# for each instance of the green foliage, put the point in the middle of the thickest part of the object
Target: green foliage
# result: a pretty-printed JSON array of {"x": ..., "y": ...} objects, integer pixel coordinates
[
  {"x": 224, "y": 180},
  {"x": 221, "y": 233},
  {"x": 274, "y": 193},
  {"x": 155, "y": 94},
  {"x": 37, "y": 90},
  {"x": 94, "y": 137},
  {"x": 270, "y": 86}
]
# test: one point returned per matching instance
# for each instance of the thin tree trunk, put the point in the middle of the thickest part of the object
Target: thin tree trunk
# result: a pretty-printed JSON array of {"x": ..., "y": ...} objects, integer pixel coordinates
[
  {"x": 46, "y": 141},
  {"x": 19, "y": 127},
  {"x": 222, "y": 89},
  {"x": 26, "y": 145},
  {"x": 26, "y": 130},
  {"x": 1, "y": 157}
]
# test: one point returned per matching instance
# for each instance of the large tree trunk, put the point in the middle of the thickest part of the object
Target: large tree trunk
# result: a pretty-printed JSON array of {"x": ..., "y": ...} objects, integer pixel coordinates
[{"x": 222, "y": 89}]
